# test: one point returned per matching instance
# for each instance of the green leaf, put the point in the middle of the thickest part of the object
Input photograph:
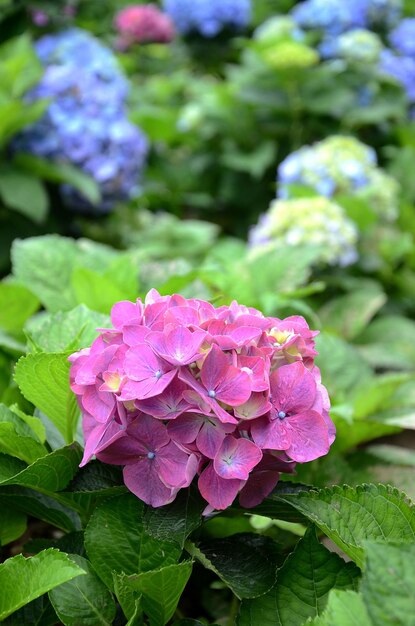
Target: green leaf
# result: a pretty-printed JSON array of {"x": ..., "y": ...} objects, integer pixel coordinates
[
  {"x": 39, "y": 612},
  {"x": 60, "y": 173},
  {"x": 389, "y": 342},
  {"x": 161, "y": 590},
  {"x": 17, "y": 304},
  {"x": 43, "y": 507},
  {"x": 94, "y": 290},
  {"x": 23, "y": 580},
  {"x": 388, "y": 584},
  {"x": 24, "y": 193},
  {"x": 342, "y": 366},
  {"x": 98, "y": 478},
  {"x": 348, "y": 315},
  {"x": 302, "y": 587},
  {"x": 9, "y": 466},
  {"x": 59, "y": 331},
  {"x": 176, "y": 521},
  {"x": 83, "y": 601},
  {"x": 246, "y": 563},
  {"x": 34, "y": 423},
  {"x": 49, "y": 473},
  {"x": 344, "y": 608},
  {"x": 378, "y": 394},
  {"x": 44, "y": 380},
  {"x": 116, "y": 540},
  {"x": 349, "y": 516},
  {"x": 20, "y": 446},
  {"x": 12, "y": 525}
]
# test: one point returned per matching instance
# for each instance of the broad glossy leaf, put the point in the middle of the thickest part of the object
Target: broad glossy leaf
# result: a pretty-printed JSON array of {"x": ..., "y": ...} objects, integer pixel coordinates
[
  {"x": 302, "y": 587},
  {"x": 247, "y": 563},
  {"x": 12, "y": 525},
  {"x": 116, "y": 540},
  {"x": 17, "y": 304},
  {"x": 24, "y": 193},
  {"x": 23, "y": 447},
  {"x": 388, "y": 584},
  {"x": 96, "y": 291},
  {"x": 66, "y": 330},
  {"x": 161, "y": 590},
  {"x": 352, "y": 515},
  {"x": 23, "y": 580},
  {"x": 49, "y": 473},
  {"x": 85, "y": 600},
  {"x": 344, "y": 608},
  {"x": 44, "y": 380},
  {"x": 177, "y": 520},
  {"x": 39, "y": 612}
]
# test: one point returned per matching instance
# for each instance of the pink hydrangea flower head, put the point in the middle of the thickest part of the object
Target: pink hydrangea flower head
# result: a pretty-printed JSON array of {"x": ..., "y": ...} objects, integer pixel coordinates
[
  {"x": 143, "y": 23},
  {"x": 179, "y": 388}
]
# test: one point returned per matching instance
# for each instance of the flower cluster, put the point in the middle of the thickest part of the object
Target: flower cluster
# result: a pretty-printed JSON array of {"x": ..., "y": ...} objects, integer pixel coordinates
[
  {"x": 143, "y": 23},
  {"x": 340, "y": 165},
  {"x": 179, "y": 388},
  {"x": 208, "y": 17},
  {"x": 400, "y": 62},
  {"x": 313, "y": 221},
  {"x": 86, "y": 123},
  {"x": 354, "y": 46},
  {"x": 333, "y": 17}
]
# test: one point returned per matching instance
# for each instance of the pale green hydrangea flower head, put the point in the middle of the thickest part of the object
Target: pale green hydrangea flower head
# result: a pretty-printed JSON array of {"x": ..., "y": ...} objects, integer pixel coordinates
[{"x": 314, "y": 221}]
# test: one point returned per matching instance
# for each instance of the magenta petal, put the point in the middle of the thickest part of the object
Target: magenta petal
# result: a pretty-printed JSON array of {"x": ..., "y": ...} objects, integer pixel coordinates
[
  {"x": 185, "y": 428},
  {"x": 125, "y": 312},
  {"x": 183, "y": 346},
  {"x": 211, "y": 436},
  {"x": 123, "y": 451},
  {"x": 134, "y": 334},
  {"x": 99, "y": 438},
  {"x": 259, "y": 485},
  {"x": 167, "y": 405},
  {"x": 141, "y": 363},
  {"x": 100, "y": 404},
  {"x": 234, "y": 388},
  {"x": 256, "y": 406},
  {"x": 236, "y": 458},
  {"x": 171, "y": 463},
  {"x": 220, "y": 493},
  {"x": 140, "y": 390},
  {"x": 204, "y": 399},
  {"x": 214, "y": 368},
  {"x": 293, "y": 388},
  {"x": 271, "y": 434},
  {"x": 142, "y": 479},
  {"x": 309, "y": 436}
]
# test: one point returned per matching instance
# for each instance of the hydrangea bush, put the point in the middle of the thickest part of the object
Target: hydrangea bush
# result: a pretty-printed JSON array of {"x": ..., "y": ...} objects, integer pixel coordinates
[
  {"x": 208, "y": 17},
  {"x": 340, "y": 165},
  {"x": 179, "y": 388},
  {"x": 307, "y": 222},
  {"x": 86, "y": 123},
  {"x": 143, "y": 23}
]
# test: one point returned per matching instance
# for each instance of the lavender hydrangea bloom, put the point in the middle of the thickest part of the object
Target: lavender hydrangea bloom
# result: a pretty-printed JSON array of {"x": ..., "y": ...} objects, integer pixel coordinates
[
  {"x": 86, "y": 123},
  {"x": 208, "y": 17},
  {"x": 355, "y": 46},
  {"x": 340, "y": 165},
  {"x": 402, "y": 37},
  {"x": 338, "y": 16},
  {"x": 402, "y": 68}
]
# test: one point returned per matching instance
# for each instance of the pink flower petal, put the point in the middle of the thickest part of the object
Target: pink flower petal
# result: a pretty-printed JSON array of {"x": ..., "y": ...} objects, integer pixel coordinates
[
  {"x": 217, "y": 491},
  {"x": 142, "y": 479},
  {"x": 309, "y": 436},
  {"x": 236, "y": 458},
  {"x": 293, "y": 388}
]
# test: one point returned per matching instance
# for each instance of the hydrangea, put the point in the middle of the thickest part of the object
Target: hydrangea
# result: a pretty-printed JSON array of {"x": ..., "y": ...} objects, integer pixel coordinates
[
  {"x": 340, "y": 165},
  {"x": 402, "y": 38},
  {"x": 312, "y": 221},
  {"x": 208, "y": 17},
  {"x": 143, "y": 23},
  {"x": 402, "y": 69},
  {"x": 86, "y": 123},
  {"x": 333, "y": 17},
  {"x": 179, "y": 389},
  {"x": 355, "y": 46},
  {"x": 277, "y": 28}
]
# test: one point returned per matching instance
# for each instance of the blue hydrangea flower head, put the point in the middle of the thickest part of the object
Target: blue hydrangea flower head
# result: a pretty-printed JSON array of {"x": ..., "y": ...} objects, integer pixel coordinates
[
  {"x": 333, "y": 17},
  {"x": 402, "y": 38},
  {"x": 339, "y": 166},
  {"x": 300, "y": 222},
  {"x": 208, "y": 17},
  {"x": 86, "y": 123},
  {"x": 402, "y": 69},
  {"x": 355, "y": 46}
]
